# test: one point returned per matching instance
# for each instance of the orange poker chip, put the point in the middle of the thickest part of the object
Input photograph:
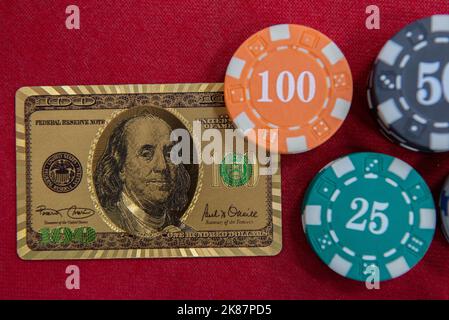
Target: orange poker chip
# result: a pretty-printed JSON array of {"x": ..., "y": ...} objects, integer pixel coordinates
[{"x": 291, "y": 78}]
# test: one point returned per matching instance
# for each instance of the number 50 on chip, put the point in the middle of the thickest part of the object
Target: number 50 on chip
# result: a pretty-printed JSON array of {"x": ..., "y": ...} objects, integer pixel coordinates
[{"x": 291, "y": 79}]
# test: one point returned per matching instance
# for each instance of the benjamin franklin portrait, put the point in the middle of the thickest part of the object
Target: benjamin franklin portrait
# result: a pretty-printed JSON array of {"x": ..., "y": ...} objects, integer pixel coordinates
[{"x": 140, "y": 189}]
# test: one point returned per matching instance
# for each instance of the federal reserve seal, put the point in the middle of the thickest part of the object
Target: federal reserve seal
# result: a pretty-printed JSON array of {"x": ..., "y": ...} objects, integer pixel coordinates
[{"x": 62, "y": 172}]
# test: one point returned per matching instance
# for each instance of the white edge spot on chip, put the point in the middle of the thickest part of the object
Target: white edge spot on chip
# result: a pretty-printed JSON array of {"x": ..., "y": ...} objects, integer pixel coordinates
[
  {"x": 390, "y": 253},
  {"x": 243, "y": 122},
  {"x": 391, "y": 182},
  {"x": 441, "y": 40},
  {"x": 398, "y": 82},
  {"x": 342, "y": 166},
  {"x": 427, "y": 219},
  {"x": 370, "y": 103},
  {"x": 404, "y": 61},
  {"x": 397, "y": 267},
  {"x": 390, "y": 52},
  {"x": 296, "y": 144},
  {"x": 312, "y": 215},
  {"x": 340, "y": 265},
  {"x": 332, "y": 53},
  {"x": 441, "y": 124},
  {"x": 411, "y": 218},
  {"x": 335, "y": 195},
  {"x": 279, "y": 32},
  {"x": 400, "y": 168},
  {"x": 348, "y": 251},
  {"x": 439, "y": 141},
  {"x": 334, "y": 236},
  {"x": 235, "y": 67},
  {"x": 439, "y": 22},
  {"x": 303, "y": 222},
  {"x": 350, "y": 181},
  {"x": 329, "y": 216},
  {"x": 281, "y": 48},
  {"x": 420, "y": 46},
  {"x": 419, "y": 119},
  {"x": 405, "y": 238},
  {"x": 446, "y": 187},
  {"x": 404, "y": 103},
  {"x": 341, "y": 109},
  {"x": 389, "y": 112},
  {"x": 406, "y": 197}
]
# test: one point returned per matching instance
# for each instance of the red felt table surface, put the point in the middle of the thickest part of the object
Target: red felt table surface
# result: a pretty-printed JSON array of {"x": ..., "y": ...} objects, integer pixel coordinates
[{"x": 125, "y": 42}]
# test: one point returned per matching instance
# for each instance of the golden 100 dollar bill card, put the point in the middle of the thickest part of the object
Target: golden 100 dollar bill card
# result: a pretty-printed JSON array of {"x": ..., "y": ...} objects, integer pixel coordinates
[{"x": 121, "y": 171}]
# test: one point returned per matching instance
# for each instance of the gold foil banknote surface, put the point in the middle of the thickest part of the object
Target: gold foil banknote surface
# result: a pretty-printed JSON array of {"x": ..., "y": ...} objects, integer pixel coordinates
[{"x": 96, "y": 178}]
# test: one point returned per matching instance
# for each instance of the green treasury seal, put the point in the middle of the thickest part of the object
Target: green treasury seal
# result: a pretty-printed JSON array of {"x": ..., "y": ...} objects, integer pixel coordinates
[{"x": 235, "y": 170}]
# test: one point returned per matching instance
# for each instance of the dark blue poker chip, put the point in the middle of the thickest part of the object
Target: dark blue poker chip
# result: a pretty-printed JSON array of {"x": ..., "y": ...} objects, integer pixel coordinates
[
  {"x": 408, "y": 89},
  {"x": 444, "y": 209}
]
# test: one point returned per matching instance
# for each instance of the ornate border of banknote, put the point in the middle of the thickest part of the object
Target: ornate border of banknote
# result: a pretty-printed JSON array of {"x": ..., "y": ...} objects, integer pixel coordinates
[{"x": 172, "y": 95}]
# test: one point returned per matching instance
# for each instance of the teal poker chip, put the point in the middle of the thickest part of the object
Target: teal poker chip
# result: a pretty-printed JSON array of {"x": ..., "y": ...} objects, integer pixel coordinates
[{"x": 369, "y": 214}]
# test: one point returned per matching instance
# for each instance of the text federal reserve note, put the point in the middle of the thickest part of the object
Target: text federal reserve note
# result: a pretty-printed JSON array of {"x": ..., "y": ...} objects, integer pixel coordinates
[{"x": 97, "y": 177}]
